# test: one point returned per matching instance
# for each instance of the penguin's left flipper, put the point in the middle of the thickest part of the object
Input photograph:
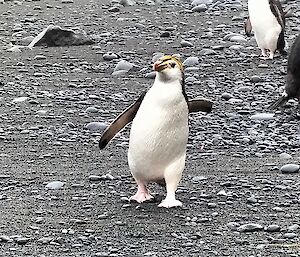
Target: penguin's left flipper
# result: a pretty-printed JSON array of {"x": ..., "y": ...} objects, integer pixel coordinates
[
  {"x": 120, "y": 122},
  {"x": 199, "y": 105},
  {"x": 248, "y": 27}
]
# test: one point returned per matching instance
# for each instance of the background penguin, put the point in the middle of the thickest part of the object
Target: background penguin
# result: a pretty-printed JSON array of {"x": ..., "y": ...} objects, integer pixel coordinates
[
  {"x": 267, "y": 21},
  {"x": 292, "y": 87},
  {"x": 159, "y": 132}
]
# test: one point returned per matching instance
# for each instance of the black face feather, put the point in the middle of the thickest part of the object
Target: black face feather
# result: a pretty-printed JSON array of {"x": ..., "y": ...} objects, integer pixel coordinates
[{"x": 183, "y": 88}]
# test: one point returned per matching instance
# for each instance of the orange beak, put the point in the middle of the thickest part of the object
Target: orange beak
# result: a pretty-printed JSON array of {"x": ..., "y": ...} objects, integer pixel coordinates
[{"x": 159, "y": 66}]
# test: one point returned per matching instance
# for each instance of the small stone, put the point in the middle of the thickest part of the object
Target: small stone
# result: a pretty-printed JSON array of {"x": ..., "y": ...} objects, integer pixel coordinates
[
  {"x": 91, "y": 110},
  {"x": 289, "y": 235},
  {"x": 123, "y": 65},
  {"x": 110, "y": 56},
  {"x": 238, "y": 38},
  {"x": 191, "y": 61},
  {"x": 185, "y": 43},
  {"x": 233, "y": 225},
  {"x": 40, "y": 57},
  {"x": 96, "y": 126},
  {"x": 226, "y": 96},
  {"x": 198, "y": 2},
  {"x": 4, "y": 238},
  {"x": 290, "y": 168},
  {"x": 293, "y": 227},
  {"x": 207, "y": 52},
  {"x": 114, "y": 9},
  {"x": 55, "y": 185},
  {"x": 255, "y": 79},
  {"x": 272, "y": 228},
  {"x": 165, "y": 34},
  {"x": 22, "y": 240},
  {"x": 20, "y": 99},
  {"x": 94, "y": 178},
  {"x": 285, "y": 156},
  {"x": 251, "y": 227},
  {"x": 200, "y": 8},
  {"x": 262, "y": 116},
  {"x": 252, "y": 199},
  {"x": 45, "y": 240}
]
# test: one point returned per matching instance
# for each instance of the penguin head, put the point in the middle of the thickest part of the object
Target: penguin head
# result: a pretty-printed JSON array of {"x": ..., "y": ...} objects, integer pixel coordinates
[{"x": 169, "y": 68}]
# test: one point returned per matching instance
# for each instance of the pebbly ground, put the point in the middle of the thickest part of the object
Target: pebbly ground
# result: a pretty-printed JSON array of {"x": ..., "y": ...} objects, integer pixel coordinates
[{"x": 236, "y": 200}]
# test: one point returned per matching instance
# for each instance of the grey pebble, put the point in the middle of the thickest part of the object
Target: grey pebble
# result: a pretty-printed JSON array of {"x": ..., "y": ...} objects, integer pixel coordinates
[
  {"x": 238, "y": 38},
  {"x": 251, "y": 227},
  {"x": 4, "y": 238},
  {"x": 200, "y": 8},
  {"x": 199, "y": 2},
  {"x": 294, "y": 227},
  {"x": 285, "y": 156},
  {"x": 233, "y": 225},
  {"x": 96, "y": 126},
  {"x": 22, "y": 240},
  {"x": 91, "y": 109},
  {"x": 207, "y": 52},
  {"x": 55, "y": 185},
  {"x": 110, "y": 56},
  {"x": 290, "y": 168},
  {"x": 191, "y": 61},
  {"x": 123, "y": 65},
  {"x": 262, "y": 116},
  {"x": 226, "y": 96},
  {"x": 94, "y": 178},
  {"x": 185, "y": 43},
  {"x": 114, "y": 9},
  {"x": 255, "y": 79},
  {"x": 289, "y": 235},
  {"x": 272, "y": 228}
]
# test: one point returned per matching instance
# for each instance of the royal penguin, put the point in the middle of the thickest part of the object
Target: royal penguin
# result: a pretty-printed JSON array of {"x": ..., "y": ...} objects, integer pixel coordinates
[
  {"x": 159, "y": 131},
  {"x": 267, "y": 21}
]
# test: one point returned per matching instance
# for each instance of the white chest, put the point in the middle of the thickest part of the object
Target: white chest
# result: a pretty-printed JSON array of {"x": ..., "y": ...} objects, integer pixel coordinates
[
  {"x": 261, "y": 16},
  {"x": 159, "y": 131}
]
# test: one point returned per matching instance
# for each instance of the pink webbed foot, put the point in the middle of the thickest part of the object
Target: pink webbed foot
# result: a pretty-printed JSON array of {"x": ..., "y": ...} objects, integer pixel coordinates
[
  {"x": 271, "y": 57},
  {"x": 169, "y": 203},
  {"x": 264, "y": 54},
  {"x": 142, "y": 194}
]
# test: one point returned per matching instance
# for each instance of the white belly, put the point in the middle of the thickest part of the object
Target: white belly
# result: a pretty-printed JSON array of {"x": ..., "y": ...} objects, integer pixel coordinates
[
  {"x": 264, "y": 24},
  {"x": 158, "y": 135}
]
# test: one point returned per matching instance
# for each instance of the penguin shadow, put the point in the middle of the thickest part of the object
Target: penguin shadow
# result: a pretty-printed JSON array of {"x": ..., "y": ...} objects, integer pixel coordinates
[{"x": 286, "y": 114}]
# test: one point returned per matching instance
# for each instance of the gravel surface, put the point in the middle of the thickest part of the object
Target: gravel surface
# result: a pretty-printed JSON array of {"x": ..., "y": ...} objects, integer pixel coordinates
[{"x": 61, "y": 196}]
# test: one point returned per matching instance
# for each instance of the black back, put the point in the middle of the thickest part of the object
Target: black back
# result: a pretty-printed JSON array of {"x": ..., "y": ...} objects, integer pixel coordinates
[
  {"x": 293, "y": 70},
  {"x": 278, "y": 12}
]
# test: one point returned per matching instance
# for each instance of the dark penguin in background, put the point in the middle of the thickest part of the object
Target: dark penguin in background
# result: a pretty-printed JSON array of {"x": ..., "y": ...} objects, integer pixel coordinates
[
  {"x": 267, "y": 21},
  {"x": 292, "y": 87}
]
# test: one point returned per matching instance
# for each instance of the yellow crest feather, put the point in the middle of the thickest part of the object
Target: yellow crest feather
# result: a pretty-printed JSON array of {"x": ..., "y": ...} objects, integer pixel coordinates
[{"x": 173, "y": 58}]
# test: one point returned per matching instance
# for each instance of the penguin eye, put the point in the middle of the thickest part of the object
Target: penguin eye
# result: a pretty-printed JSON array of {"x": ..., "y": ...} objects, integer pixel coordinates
[{"x": 172, "y": 64}]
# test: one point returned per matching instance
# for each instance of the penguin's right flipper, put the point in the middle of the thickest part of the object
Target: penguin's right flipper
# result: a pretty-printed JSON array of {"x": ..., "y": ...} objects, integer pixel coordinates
[
  {"x": 278, "y": 12},
  {"x": 120, "y": 122},
  {"x": 199, "y": 105},
  {"x": 248, "y": 27}
]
